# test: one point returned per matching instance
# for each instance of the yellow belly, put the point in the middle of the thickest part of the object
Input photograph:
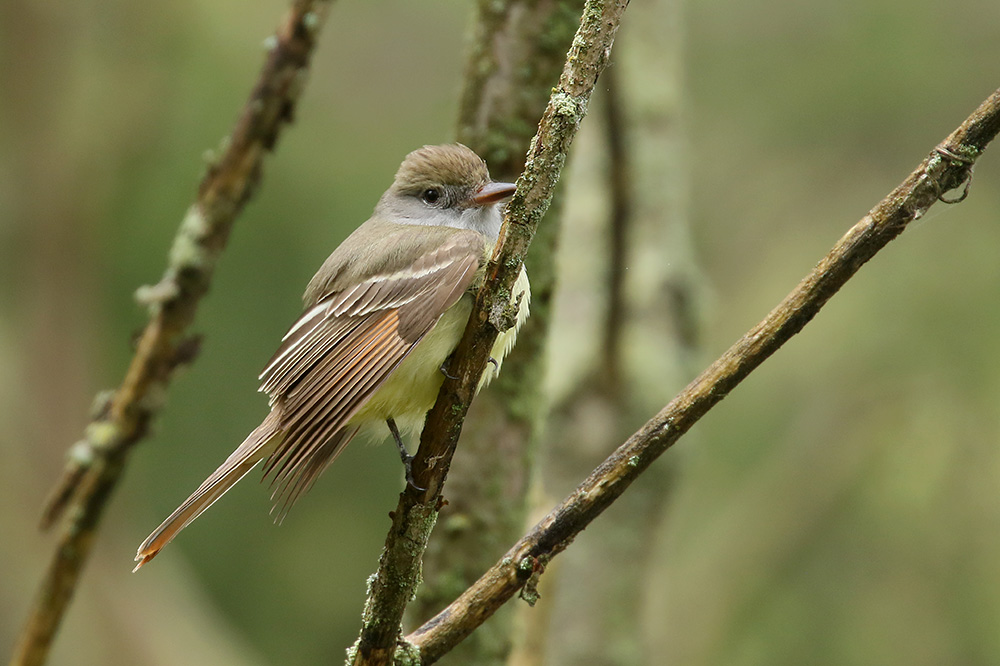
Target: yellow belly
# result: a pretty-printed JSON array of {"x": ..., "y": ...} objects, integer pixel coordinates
[{"x": 411, "y": 389}]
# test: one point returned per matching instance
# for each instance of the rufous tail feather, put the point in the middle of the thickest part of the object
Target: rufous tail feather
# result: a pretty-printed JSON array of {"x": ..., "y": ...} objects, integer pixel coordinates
[{"x": 257, "y": 446}]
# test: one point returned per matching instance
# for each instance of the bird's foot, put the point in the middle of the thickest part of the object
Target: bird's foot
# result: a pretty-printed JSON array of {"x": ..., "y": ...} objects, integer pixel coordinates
[
  {"x": 444, "y": 369},
  {"x": 403, "y": 455}
]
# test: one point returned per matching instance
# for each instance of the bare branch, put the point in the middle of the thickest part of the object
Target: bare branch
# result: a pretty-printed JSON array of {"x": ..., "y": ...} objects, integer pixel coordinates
[
  {"x": 393, "y": 585},
  {"x": 620, "y": 221},
  {"x": 95, "y": 463},
  {"x": 948, "y": 166}
]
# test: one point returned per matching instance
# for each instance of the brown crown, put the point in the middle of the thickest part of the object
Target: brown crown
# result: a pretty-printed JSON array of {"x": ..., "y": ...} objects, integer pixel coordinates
[{"x": 452, "y": 164}]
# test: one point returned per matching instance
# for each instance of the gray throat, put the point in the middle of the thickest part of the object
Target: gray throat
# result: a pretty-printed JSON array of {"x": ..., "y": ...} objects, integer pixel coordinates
[{"x": 484, "y": 219}]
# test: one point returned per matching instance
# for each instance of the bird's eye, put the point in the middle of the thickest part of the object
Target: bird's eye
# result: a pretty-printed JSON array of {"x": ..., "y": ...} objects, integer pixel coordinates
[{"x": 430, "y": 195}]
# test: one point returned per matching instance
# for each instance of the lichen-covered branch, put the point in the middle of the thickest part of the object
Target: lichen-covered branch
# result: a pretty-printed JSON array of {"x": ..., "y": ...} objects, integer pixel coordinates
[
  {"x": 947, "y": 167},
  {"x": 516, "y": 54},
  {"x": 122, "y": 417},
  {"x": 393, "y": 585}
]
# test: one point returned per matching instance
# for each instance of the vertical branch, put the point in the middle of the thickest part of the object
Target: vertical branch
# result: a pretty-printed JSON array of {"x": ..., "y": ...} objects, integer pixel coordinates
[
  {"x": 620, "y": 219},
  {"x": 516, "y": 55},
  {"x": 394, "y": 583},
  {"x": 96, "y": 462}
]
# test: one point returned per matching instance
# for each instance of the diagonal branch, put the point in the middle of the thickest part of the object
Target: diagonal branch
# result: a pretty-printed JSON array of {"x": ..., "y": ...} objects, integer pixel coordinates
[
  {"x": 393, "y": 585},
  {"x": 96, "y": 462},
  {"x": 948, "y": 166},
  {"x": 517, "y": 52}
]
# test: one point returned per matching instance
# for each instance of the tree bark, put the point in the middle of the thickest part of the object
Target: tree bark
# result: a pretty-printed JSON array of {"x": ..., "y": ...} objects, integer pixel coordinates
[{"x": 518, "y": 49}]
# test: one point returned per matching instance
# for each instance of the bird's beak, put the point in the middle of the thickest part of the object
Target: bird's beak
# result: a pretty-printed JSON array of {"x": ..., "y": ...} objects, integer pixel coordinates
[{"x": 490, "y": 193}]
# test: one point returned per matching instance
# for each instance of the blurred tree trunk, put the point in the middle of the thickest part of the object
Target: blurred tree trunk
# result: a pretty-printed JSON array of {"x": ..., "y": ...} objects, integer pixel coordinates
[
  {"x": 55, "y": 194},
  {"x": 517, "y": 53},
  {"x": 594, "y": 602},
  {"x": 47, "y": 218}
]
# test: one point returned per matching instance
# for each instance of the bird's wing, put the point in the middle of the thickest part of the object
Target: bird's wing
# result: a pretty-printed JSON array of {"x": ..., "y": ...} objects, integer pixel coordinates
[{"x": 344, "y": 347}]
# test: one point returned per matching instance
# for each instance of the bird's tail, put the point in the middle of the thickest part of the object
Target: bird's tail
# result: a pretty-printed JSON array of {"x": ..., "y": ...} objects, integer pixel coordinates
[{"x": 257, "y": 446}]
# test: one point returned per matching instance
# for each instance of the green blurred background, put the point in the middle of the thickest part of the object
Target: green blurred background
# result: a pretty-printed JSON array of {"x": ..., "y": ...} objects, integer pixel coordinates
[{"x": 840, "y": 507}]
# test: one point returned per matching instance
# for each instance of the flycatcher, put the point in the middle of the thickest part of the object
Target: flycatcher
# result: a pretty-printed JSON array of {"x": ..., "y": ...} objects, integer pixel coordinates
[{"x": 382, "y": 316}]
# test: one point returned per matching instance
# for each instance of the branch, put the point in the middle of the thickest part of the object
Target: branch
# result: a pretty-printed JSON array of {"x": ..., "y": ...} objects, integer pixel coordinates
[
  {"x": 517, "y": 53},
  {"x": 621, "y": 219},
  {"x": 393, "y": 585},
  {"x": 947, "y": 167},
  {"x": 96, "y": 462}
]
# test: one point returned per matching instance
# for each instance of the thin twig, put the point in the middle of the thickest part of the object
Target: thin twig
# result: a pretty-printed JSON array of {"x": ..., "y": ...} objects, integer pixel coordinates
[
  {"x": 620, "y": 219},
  {"x": 947, "y": 167},
  {"x": 393, "y": 585},
  {"x": 96, "y": 462}
]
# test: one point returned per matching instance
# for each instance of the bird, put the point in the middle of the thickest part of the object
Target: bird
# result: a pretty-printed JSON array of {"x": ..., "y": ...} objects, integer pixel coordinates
[{"x": 381, "y": 318}]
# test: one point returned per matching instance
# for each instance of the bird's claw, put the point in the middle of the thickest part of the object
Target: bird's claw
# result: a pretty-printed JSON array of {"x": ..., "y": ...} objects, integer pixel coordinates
[
  {"x": 444, "y": 370},
  {"x": 408, "y": 465},
  {"x": 403, "y": 455}
]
